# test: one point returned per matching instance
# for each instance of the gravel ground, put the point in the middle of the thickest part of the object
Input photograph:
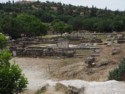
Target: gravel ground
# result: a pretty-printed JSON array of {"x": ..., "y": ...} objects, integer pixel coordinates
[{"x": 36, "y": 70}]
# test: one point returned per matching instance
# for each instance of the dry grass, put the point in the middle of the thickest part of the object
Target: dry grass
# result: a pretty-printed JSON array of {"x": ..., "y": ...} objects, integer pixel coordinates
[
  {"x": 50, "y": 36},
  {"x": 71, "y": 68},
  {"x": 62, "y": 88},
  {"x": 68, "y": 61},
  {"x": 103, "y": 37}
]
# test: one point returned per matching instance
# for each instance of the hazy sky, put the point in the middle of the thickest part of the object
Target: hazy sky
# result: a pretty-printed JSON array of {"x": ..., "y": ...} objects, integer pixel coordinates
[{"x": 110, "y": 4}]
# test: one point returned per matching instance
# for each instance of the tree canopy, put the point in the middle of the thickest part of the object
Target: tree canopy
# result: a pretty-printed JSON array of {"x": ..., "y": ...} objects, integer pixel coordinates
[
  {"x": 23, "y": 24},
  {"x": 3, "y": 41},
  {"x": 35, "y": 18},
  {"x": 61, "y": 27}
]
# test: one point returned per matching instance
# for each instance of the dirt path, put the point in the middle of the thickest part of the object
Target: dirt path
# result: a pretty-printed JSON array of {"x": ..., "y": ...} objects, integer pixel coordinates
[{"x": 36, "y": 71}]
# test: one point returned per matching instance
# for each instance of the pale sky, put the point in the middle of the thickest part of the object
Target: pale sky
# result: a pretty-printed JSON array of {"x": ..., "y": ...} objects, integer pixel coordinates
[{"x": 110, "y": 4}]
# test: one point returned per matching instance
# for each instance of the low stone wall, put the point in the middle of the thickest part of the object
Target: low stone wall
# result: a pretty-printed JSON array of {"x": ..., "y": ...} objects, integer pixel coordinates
[{"x": 22, "y": 52}]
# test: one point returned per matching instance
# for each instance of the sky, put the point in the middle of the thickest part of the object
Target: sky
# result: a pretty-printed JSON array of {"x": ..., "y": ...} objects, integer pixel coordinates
[{"x": 110, "y": 4}]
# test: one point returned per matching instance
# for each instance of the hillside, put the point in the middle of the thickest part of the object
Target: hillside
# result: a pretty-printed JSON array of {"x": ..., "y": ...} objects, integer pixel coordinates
[{"x": 57, "y": 18}]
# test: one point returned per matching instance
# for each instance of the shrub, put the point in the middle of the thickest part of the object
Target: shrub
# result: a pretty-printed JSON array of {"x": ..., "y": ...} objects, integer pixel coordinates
[
  {"x": 12, "y": 81},
  {"x": 118, "y": 73},
  {"x": 3, "y": 41}
]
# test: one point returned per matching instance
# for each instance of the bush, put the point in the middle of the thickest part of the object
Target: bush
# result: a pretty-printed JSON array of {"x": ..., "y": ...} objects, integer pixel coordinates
[
  {"x": 3, "y": 41},
  {"x": 12, "y": 81},
  {"x": 5, "y": 55},
  {"x": 118, "y": 73}
]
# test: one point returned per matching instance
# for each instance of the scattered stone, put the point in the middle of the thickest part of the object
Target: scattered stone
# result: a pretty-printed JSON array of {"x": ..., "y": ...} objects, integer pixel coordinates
[
  {"x": 63, "y": 43},
  {"x": 116, "y": 50},
  {"x": 109, "y": 43},
  {"x": 90, "y": 61}
]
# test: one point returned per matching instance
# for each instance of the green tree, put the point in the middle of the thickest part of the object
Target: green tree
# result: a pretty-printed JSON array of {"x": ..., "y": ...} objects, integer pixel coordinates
[
  {"x": 89, "y": 23},
  {"x": 118, "y": 25},
  {"x": 55, "y": 21},
  {"x": 118, "y": 73},
  {"x": 93, "y": 11},
  {"x": 46, "y": 17},
  {"x": 68, "y": 28},
  {"x": 60, "y": 9},
  {"x": 76, "y": 22},
  {"x": 3, "y": 41},
  {"x": 61, "y": 27},
  {"x": 104, "y": 26},
  {"x": 1, "y": 30},
  {"x": 31, "y": 26},
  {"x": 12, "y": 81},
  {"x": 11, "y": 26}
]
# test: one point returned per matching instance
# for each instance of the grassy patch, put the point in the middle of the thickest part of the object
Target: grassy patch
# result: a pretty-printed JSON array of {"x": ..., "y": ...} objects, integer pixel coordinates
[
  {"x": 68, "y": 61},
  {"x": 84, "y": 51},
  {"x": 50, "y": 36},
  {"x": 102, "y": 37},
  {"x": 60, "y": 87},
  {"x": 42, "y": 90}
]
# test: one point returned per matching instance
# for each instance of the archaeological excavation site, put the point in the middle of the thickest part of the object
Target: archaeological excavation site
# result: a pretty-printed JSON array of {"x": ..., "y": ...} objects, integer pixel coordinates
[
  {"x": 62, "y": 47},
  {"x": 63, "y": 61}
]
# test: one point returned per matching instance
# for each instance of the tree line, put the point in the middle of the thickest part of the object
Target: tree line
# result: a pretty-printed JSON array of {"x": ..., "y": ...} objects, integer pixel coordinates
[{"x": 36, "y": 18}]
